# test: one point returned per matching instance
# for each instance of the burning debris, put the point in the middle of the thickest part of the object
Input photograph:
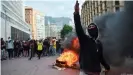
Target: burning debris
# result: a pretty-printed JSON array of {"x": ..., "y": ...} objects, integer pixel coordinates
[{"x": 69, "y": 57}]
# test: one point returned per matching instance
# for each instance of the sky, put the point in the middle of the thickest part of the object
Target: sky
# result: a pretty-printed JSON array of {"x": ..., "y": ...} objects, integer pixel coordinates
[{"x": 54, "y": 8}]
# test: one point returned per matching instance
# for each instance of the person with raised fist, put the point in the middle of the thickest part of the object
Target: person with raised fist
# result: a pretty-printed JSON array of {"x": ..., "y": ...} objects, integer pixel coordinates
[{"x": 91, "y": 50}]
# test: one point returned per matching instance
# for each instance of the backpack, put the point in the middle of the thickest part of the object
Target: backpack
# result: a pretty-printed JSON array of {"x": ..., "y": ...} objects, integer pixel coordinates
[{"x": 39, "y": 46}]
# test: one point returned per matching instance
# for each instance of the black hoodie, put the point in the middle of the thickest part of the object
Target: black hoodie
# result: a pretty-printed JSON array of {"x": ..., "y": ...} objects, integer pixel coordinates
[{"x": 91, "y": 55}]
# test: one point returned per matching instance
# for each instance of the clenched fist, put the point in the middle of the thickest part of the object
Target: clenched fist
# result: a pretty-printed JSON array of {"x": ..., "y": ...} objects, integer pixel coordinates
[{"x": 76, "y": 7}]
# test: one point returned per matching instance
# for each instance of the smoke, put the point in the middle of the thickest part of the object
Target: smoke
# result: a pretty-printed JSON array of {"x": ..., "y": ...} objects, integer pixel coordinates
[
  {"x": 68, "y": 39},
  {"x": 116, "y": 33}
]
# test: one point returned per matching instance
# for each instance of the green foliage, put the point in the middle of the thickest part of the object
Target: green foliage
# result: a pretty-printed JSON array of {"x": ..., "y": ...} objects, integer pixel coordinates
[{"x": 65, "y": 30}]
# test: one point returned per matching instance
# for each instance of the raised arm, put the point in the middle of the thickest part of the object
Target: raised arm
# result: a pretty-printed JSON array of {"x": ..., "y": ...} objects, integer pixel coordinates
[{"x": 79, "y": 30}]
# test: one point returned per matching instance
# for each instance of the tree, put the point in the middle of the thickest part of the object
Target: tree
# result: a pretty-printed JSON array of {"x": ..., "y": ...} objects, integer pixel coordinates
[{"x": 65, "y": 30}]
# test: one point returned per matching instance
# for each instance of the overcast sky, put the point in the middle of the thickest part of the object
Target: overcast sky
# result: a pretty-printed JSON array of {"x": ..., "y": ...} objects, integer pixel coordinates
[{"x": 55, "y": 8}]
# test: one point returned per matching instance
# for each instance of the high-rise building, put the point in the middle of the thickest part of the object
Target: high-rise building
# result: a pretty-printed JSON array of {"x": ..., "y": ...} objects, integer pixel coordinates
[
  {"x": 47, "y": 31},
  {"x": 90, "y": 9},
  {"x": 36, "y": 20},
  {"x": 12, "y": 21},
  {"x": 52, "y": 30},
  {"x": 40, "y": 26}
]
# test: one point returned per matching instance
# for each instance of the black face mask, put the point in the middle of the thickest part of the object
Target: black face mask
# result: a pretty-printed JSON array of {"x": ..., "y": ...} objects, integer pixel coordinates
[{"x": 93, "y": 31}]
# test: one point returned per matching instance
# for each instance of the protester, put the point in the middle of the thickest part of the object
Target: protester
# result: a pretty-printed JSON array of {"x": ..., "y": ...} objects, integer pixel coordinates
[
  {"x": 51, "y": 47},
  {"x": 25, "y": 46},
  {"x": 28, "y": 47},
  {"x": 48, "y": 52},
  {"x": 91, "y": 55},
  {"x": 16, "y": 48},
  {"x": 54, "y": 46},
  {"x": 20, "y": 53},
  {"x": 32, "y": 47},
  {"x": 59, "y": 46},
  {"x": 10, "y": 47},
  {"x": 46, "y": 47},
  {"x": 3, "y": 57},
  {"x": 19, "y": 48},
  {"x": 39, "y": 48}
]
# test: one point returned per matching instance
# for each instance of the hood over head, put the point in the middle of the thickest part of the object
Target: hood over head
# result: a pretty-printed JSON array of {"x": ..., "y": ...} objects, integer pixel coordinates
[{"x": 93, "y": 30}]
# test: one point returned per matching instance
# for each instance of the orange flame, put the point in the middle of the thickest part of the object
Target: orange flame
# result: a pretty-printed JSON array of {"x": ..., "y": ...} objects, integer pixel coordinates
[
  {"x": 75, "y": 44},
  {"x": 70, "y": 56}
]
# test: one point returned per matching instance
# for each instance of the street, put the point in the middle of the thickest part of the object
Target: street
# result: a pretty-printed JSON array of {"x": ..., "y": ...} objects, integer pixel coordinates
[{"x": 22, "y": 66}]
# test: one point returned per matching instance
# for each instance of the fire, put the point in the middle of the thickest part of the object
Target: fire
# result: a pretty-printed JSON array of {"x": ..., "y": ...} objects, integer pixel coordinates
[
  {"x": 69, "y": 56},
  {"x": 75, "y": 43}
]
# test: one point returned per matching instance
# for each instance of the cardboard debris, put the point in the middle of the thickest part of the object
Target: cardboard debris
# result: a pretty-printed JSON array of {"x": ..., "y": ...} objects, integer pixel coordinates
[{"x": 58, "y": 68}]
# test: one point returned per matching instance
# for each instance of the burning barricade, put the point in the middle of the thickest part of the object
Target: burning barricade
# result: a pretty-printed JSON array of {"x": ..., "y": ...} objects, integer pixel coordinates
[{"x": 69, "y": 57}]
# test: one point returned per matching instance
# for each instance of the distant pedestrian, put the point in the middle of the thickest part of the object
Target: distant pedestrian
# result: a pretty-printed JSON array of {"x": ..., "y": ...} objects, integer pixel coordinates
[
  {"x": 58, "y": 45},
  {"x": 10, "y": 47},
  {"x": 39, "y": 48},
  {"x": 25, "y": 46},
  {"x": 3, "y": 56},
  {"x": 32, "y": 47},
  {"x": 54, "y": 46},
  {"x": 51, "y": 47},
  {"x": 46, "y": 47},
  {"x": 16, "y": 48},
  {"x": 20, "y": 53}
]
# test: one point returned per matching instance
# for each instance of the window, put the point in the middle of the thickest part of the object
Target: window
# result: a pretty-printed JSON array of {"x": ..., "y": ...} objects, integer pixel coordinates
[
  {"x": 105, "y": 2},
  {"x": 94, "y": 8},
  {"x": 3, "y": 15},
  {"x": 101, "y": 8},
  {"x": 117, "y": 3}
]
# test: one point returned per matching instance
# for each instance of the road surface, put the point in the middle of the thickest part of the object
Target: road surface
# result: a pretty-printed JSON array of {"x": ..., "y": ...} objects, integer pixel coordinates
[{"x": 22, "y": 66}]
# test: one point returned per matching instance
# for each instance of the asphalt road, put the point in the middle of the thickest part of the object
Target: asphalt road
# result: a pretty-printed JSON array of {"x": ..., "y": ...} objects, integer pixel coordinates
[{"x": 22, "y": 66}]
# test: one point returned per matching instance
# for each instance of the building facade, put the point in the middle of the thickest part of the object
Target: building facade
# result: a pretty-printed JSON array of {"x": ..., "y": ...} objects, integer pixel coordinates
[
  {"x": 52, "y": 30},
  {"x": 36, "y": 20},
  {"x": 90, "y": 9},
  {"x": 40, "y": 26},
  {"x": 12, "y": 21},
  {"x": 47, "y": 31}
]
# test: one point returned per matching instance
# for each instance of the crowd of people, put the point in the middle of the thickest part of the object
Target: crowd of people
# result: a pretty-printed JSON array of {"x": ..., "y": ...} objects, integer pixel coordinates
[{"x": 29, "y": 48}]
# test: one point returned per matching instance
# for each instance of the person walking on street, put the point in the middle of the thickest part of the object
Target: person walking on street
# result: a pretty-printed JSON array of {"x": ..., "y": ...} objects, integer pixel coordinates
[
  {"x": 45, "y": 47},
  {"x": 10, "y": 47},
  {"x": 39, "y": 48},
  {"x": 20, "y": 53},
  {"x": 51, "y": 47},
  {"x": 28, "y": 47},
  {"x": 25, "y": 46},
  {"x": 3, "y": 49},
  {"x": 32, "y": 47},
  {"x": 16, "y": 48},
  {"x": 54, "y": 46}
]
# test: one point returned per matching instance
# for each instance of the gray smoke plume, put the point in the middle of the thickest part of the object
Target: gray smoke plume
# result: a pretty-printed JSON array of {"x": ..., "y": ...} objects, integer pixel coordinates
[
  {"x": 117, "y": 33},
  {"x": 68, "y": 39}
]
